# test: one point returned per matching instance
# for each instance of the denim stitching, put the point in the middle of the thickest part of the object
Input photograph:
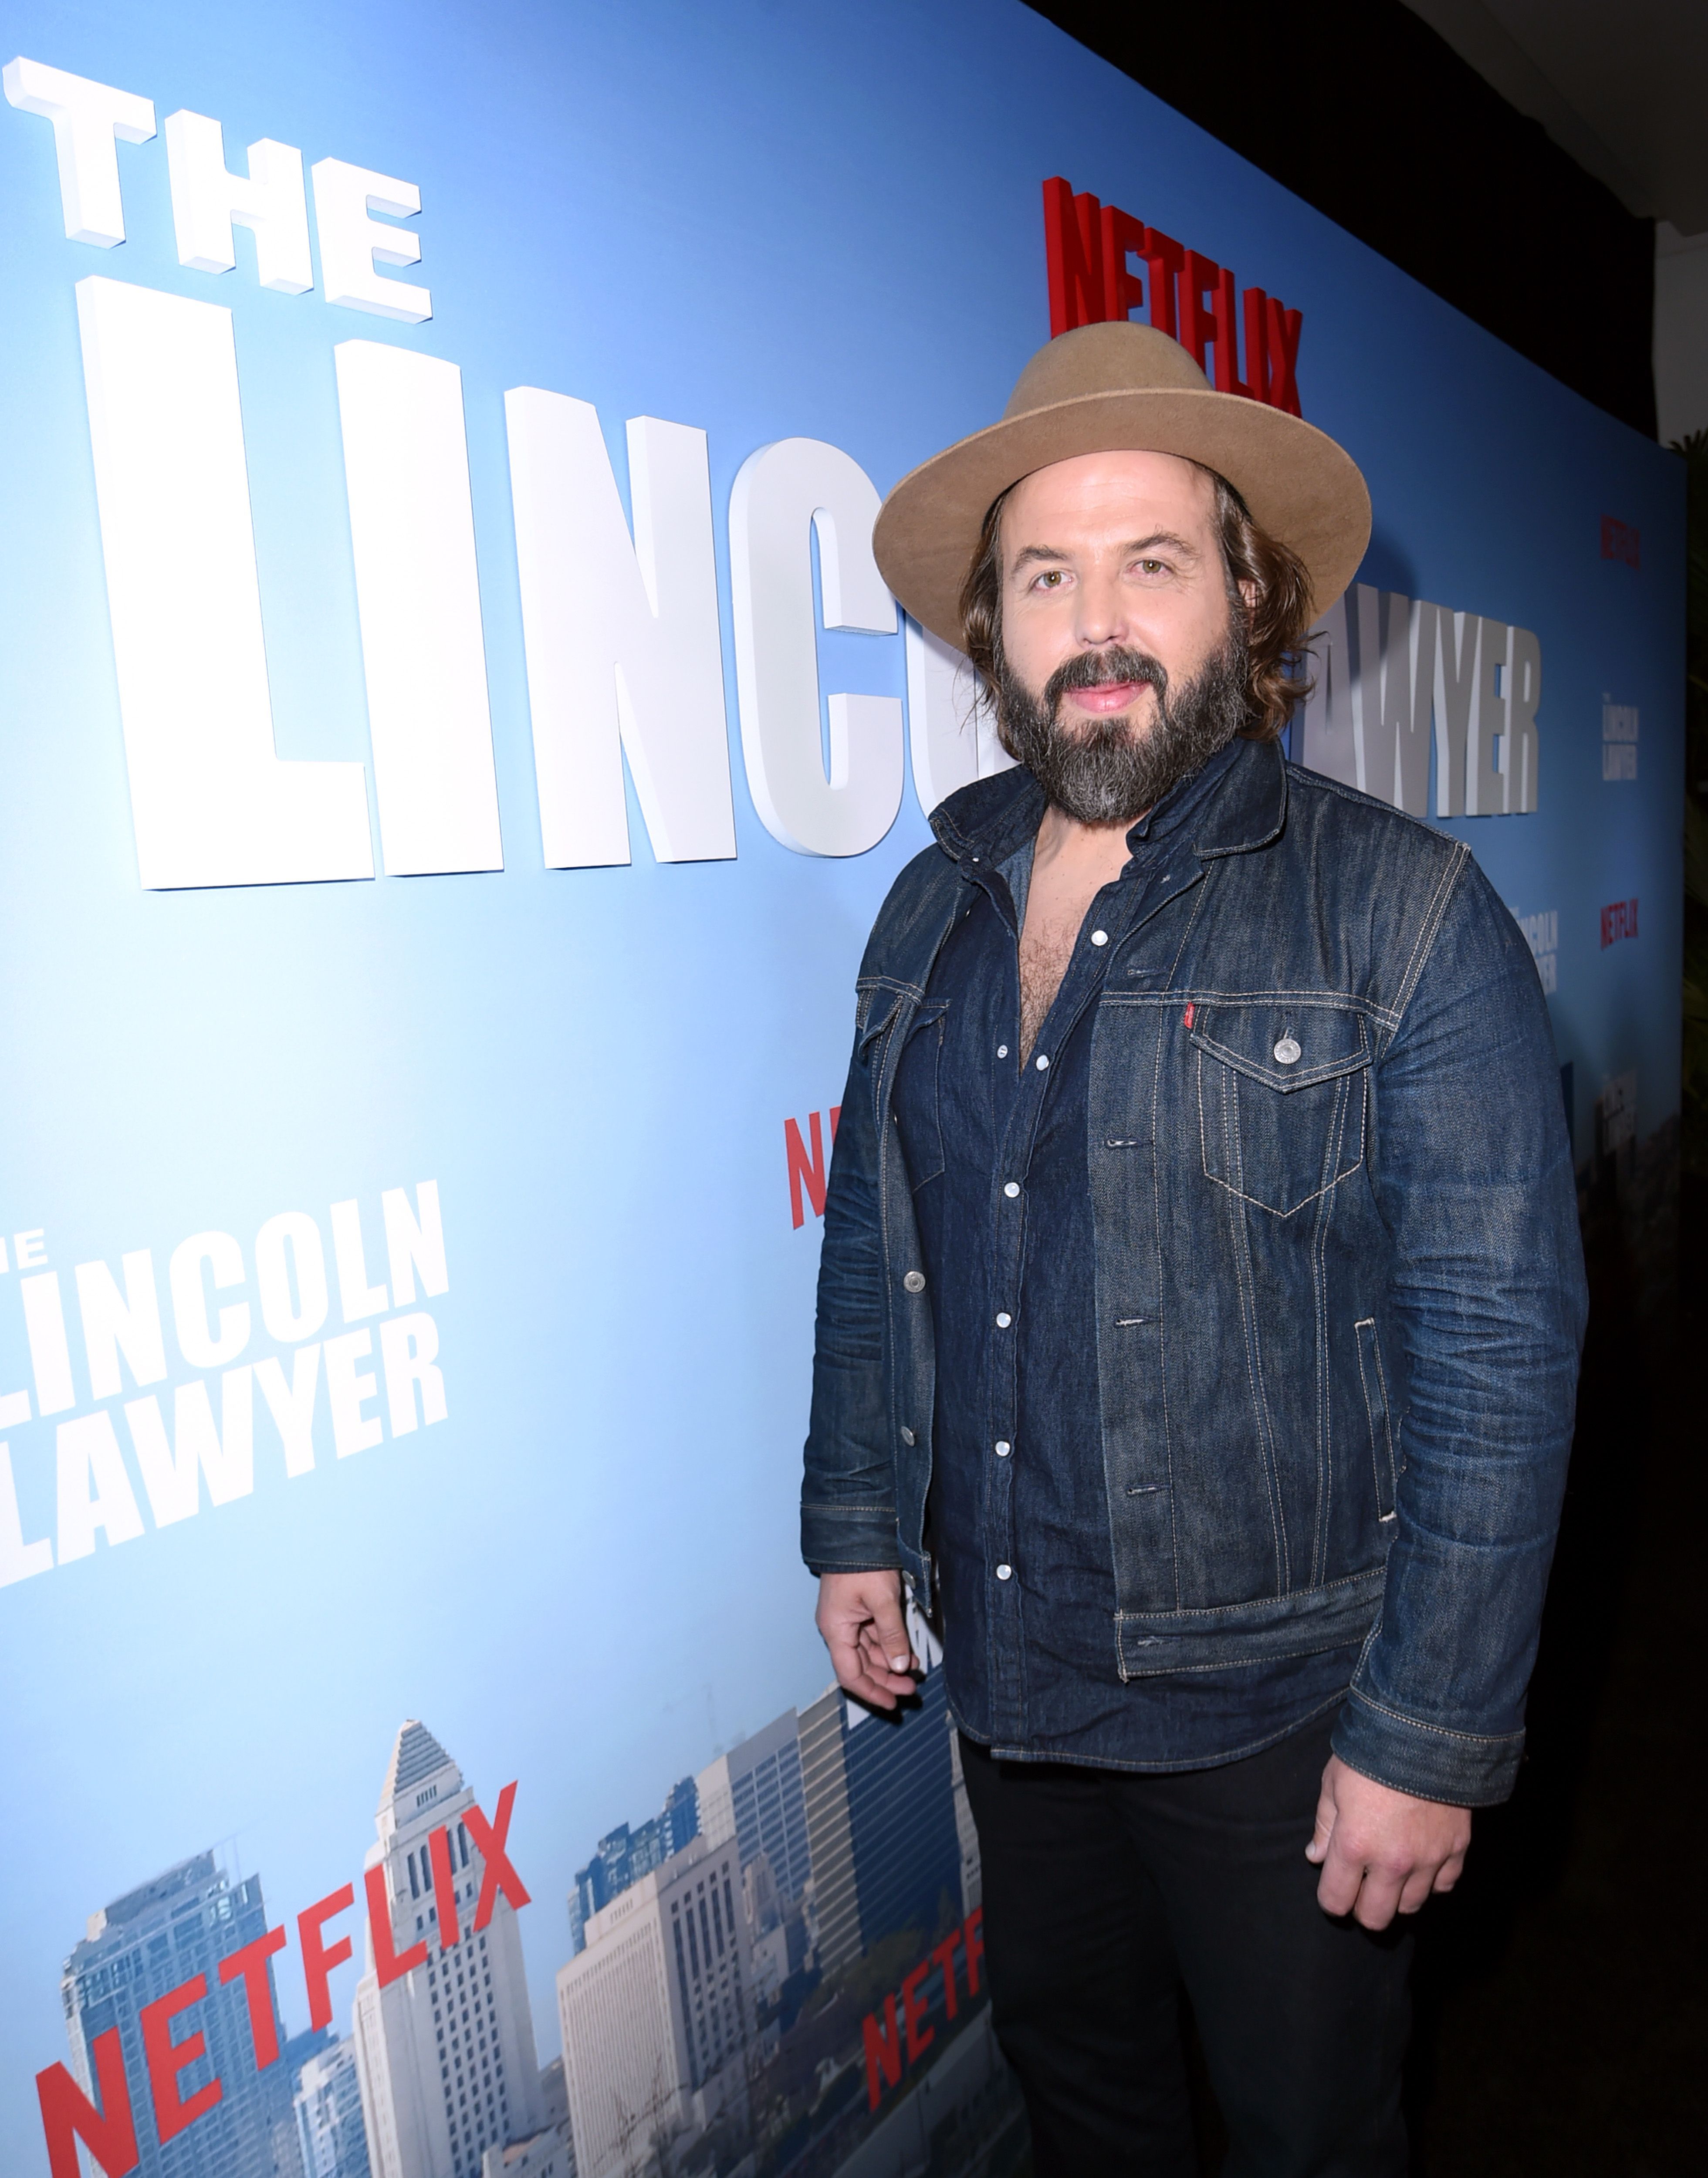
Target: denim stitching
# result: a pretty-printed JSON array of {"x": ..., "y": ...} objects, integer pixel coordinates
[
  {"x": 1364, "y": 1576},
  {"x": 1368, "y": 1323},
  {"x": 1162, "y": 1319},
  {"x": 1244, "y": 1272},
  {"x": 1427, "y": 931},
  {"x": 1319, "y": 1287},
  {"x": 1441, "y": 1730}
]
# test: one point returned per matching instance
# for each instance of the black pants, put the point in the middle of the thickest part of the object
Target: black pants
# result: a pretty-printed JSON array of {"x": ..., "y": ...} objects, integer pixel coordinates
[{"x": 1105, "y": 1893}]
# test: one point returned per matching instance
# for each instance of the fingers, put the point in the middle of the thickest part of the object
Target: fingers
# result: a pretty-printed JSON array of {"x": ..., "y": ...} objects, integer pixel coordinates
[
  {"x": 860, "y": 1621},
  {"x": 1342, "y": 1874},
  {"x": 1317, "y": 1849}
]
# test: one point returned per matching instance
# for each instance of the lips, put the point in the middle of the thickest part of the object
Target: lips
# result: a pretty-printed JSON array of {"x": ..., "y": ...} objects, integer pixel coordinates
[{"x": 1107, "y": 698}]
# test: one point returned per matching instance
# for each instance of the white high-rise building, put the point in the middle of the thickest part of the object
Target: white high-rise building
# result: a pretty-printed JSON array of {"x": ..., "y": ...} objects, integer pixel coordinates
[
  {"x": 754, "y": 1794},
  {"x": 657, "y": 2012},
  {"x": 332, "y": 2139},
  {"x": 445, "y": 2053}
]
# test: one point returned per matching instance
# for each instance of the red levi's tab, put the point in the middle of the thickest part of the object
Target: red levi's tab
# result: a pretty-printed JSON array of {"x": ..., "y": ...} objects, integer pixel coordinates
[{"x": 1187, "y": 1016}]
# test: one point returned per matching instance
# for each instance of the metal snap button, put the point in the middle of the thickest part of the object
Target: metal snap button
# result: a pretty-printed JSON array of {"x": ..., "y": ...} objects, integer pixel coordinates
[
  {"x": 914, "y": 1281},
  {"x": 907, "y": 1434},
  {"x": 1287, "y": 1052}
]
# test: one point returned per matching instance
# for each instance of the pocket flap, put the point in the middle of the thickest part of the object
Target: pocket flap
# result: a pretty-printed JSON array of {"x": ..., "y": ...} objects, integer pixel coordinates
[
  {"x": 877, "y": 1003},
  {"x": 1329, "y": 1040},
  {"x": 1152, "y": 1642}
]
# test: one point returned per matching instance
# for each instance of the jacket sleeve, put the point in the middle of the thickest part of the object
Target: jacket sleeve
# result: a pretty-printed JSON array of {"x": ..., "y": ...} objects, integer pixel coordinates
[
  {"x": 1473, "y": 1177},
  {"x": 848, "y": 1495}
]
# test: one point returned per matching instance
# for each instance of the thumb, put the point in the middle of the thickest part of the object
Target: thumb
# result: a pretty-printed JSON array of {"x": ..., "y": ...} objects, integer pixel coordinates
[
  {"x": 1318, "y": 1850},
  {"x": 891, "y": 1628}
]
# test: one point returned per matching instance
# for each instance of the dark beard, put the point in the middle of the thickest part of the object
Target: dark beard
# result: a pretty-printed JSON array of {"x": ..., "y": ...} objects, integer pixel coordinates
[{"x": 1108, "y": 774}]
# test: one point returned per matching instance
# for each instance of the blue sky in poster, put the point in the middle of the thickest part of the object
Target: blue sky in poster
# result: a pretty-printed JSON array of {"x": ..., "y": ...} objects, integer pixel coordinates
[{"x": 762, "y": 220}]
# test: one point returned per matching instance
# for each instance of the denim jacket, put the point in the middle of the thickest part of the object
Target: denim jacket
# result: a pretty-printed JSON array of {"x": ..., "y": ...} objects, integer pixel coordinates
[{"x": 1339, "y": 1288}]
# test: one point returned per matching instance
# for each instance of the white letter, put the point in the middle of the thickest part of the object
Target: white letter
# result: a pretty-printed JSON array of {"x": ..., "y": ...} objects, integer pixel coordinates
[
  {"x": 50, "y": 1354},
  {"x": 951, "y": 735},
  {"x": 1328, "y": 736},
  {"x": 205, "y": 200},
  {"x": 407, "y": 1345},
  {"x": 292, "y": 1406},
  {"x": 417, "y": 592},
  {"x": 1413, "y": 644},
  {"x": 86, "y": 118},
  {"x": 781, "y": 493},
  {"x": 348, "y": 1392},
  {"x": 359, "y": 1298},
  {"x": 1455, "y": 679},
  {"x": 1519, "y": 751},
  {"x": 351, "y": 242},
  {"x": 285, "y": 1321},
  {"x": 211, "y": 803},
  {"x": 414, "y": 1244},
  {"x": 87, "y": 1450},
  {"x": 198, "y": 1345},
  {"x": 19, "y": 1559},
  {"x": 621, "y": 637},
  {"x": 169, "y": 1476},
  {"x": 115, "y": 1324},
  {"x": 1485, "y": 792}
]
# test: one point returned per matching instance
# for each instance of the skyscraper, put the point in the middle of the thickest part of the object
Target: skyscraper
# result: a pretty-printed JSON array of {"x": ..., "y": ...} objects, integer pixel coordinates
[
  {"x": 445, "y": 2053},
  {"x": 657, "y": 2012},
  {"x": 145, "y": 1945},
  {"x": 754, "y": 1793},
  {"x": 332, "y": 2138},
  {"x": 623, "y": 1856},
  {"x": 880, "y": 1804}
]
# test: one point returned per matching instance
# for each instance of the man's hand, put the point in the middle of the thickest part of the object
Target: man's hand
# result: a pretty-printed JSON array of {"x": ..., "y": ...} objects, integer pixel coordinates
[
  {"x": 1381, "y": 1851},
  {"x": 860, "y": 1617}
]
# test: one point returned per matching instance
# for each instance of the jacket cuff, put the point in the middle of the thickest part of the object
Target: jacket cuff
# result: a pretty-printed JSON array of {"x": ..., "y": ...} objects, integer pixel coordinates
[
  {"x": 1461, "y": 1769},
  {"x": 849, "y": 1539}
]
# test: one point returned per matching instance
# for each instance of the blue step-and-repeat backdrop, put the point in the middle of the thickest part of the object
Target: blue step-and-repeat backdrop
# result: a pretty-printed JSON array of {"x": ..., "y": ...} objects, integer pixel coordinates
[{"x": 453, "y": 741}]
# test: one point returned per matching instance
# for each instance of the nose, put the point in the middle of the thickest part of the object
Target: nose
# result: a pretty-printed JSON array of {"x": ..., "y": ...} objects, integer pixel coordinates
[{"x": 1101, "y": 621}]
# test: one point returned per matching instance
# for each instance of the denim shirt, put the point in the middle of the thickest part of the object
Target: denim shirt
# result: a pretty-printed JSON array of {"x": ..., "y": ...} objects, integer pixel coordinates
[
  {"x": 1337, "y": 1294},
  {"x": 1018, "y": 1512}
]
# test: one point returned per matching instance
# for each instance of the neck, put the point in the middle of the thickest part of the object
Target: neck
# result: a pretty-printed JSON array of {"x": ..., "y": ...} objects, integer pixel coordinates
[{"x": 1063, "y": 839}]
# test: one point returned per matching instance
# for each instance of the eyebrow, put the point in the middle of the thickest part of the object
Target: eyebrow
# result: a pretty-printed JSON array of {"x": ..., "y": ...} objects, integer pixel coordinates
[{"x": 1030, "y": 554}]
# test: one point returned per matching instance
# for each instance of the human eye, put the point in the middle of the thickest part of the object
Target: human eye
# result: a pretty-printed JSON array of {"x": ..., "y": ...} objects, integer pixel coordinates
[
  {"x": 1052, "y": 578},
  {"x": 1151, "y": 568}
]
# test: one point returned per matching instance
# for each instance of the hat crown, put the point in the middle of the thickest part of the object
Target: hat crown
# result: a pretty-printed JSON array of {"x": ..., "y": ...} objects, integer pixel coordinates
[{"x": 1118, "y": 357}]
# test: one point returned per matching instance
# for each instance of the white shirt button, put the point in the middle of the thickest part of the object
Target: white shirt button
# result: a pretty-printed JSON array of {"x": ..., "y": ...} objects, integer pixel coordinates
[
  {"x": 1011, "y": 1189},
  {"x": 1041, "y": 1061},
  {"x": 1002, "y": 1051},
  {"x": 1004, "y": 1573},
  {"x": 1100, "y": 937},
  {"x": 1003, "y": 1447},
  {"x": 908, "y": 1436},
  {"x": 1003, "y": 1319}
]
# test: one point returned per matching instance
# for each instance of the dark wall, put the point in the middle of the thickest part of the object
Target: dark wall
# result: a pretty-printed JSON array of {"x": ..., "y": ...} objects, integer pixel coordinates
[{"x": 1359, "y": 108}]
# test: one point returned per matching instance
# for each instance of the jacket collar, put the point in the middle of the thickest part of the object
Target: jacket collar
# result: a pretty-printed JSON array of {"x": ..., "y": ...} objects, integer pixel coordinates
[{"x": 991, "y": 820}]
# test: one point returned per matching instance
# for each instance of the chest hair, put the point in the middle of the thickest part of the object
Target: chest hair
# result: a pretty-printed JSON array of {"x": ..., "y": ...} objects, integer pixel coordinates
[{"x": 1046, "y": 947}]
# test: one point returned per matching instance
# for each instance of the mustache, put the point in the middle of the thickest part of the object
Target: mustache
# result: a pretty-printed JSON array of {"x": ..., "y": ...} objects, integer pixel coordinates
[{"x": 1104, "y": 669}]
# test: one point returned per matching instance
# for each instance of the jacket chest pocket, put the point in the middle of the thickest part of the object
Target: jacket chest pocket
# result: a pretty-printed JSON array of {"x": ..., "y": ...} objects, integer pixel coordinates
[{"x": 1282, "y": 1096}]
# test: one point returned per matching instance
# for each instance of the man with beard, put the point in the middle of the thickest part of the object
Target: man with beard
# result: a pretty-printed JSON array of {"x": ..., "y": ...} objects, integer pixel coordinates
[{"x": 1201, "y": 1295}]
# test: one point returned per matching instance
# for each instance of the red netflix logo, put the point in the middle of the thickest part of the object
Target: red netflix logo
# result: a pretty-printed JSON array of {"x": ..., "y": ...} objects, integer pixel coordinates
[
  {"x": 1619, "y": 920},
  {"x": 809, "y": 1172},
  {"x": 907, "y": 2033},
  {"x": 108, "y": 2131},
  {"x": 1091, "y": 249}
]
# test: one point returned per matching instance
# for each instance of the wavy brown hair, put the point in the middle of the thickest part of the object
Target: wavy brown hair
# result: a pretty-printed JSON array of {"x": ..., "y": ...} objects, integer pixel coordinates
[{"x": 1276, "y": 623}]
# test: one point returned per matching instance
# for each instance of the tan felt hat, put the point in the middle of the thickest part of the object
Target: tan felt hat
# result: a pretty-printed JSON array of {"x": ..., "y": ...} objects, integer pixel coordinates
[{"x": 1102, "y": 389}]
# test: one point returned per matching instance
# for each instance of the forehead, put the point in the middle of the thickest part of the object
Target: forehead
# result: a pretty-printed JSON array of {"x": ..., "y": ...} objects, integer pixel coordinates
[{"x": 1093, "y": 496}]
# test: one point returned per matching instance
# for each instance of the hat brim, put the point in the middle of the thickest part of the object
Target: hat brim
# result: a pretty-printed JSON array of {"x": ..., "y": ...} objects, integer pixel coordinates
[{"x": 1301, "y": 487}]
